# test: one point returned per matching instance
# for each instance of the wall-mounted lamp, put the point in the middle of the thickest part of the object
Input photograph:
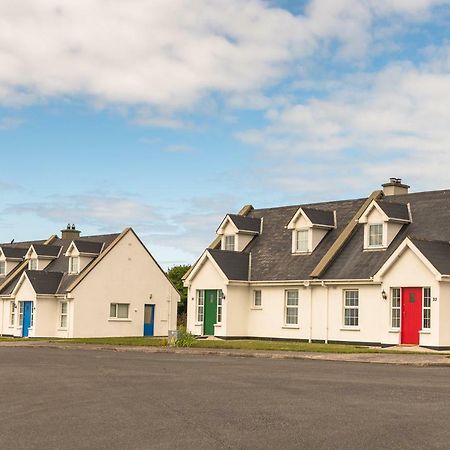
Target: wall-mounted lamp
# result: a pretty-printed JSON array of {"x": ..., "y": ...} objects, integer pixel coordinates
[
  {"x": 222, "y": 295},
  {"x": 384, "y": 295}
]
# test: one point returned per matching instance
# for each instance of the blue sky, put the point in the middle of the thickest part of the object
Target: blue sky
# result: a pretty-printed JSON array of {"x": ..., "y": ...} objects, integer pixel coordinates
[{"x": 165, "y": 116}]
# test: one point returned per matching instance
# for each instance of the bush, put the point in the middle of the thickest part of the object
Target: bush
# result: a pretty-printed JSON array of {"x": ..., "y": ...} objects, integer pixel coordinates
[{"x": 185, "y": 338}]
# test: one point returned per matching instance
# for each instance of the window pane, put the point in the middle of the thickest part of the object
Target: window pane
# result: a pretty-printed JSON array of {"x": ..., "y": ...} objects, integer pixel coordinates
[
  {"x": 302, "y": 240},
  {"x": 376, "y": 235},
  {"x": 291, "y": 316},
  {"x": 64, "y": 308},
  {"x": 2, "y": 267},
  {"x": 292, "y": 298},
  {"x": 63, "y": 321},
  {"x": 122, "y": 311},
  {"x": 112, "y": 310},
  {"x": 229, "y": 243},
  {"x": 257, "y": 298}
]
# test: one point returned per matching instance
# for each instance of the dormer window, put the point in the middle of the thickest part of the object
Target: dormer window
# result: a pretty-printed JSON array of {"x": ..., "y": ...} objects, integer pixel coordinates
[
  {"x": 382, "y": 221},
  {"x": 74, "y": 264},
  {"x": 236, "y": 232},
  {"x": 302, "y": 241},
  {"x": 376, "y": 235},
  {"x": 2, "y": 268},
  {"x": 229, "y": 243},
  {"x": 33, "y": 264},
  {"x": 309, "y": 226}
]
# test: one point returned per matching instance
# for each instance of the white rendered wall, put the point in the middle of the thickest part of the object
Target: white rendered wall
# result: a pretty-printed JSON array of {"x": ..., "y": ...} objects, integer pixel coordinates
[
  {"x": 207, "y": 278},
  {"x": 126, "y": 275}
]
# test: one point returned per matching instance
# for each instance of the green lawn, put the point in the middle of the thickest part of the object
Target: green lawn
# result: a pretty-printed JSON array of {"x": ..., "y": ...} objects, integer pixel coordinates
[
  {"x": 232, "y": 344},
  {"x": 244, "y": 344}
]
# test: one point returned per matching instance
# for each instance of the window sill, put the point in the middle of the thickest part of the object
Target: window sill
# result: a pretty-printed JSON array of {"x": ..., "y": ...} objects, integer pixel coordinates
[
  {"x": 375, "y": 249},
  {"x": 61, "y": 329},
  {"x": 219, "y": 325},
  {"x": 350, "y": 329},
  {"x": 425, "y": 332},
  {"x": 301, "y": 253},
  {"x": 394, "y": 330},
  {"x": 256, "y": 308},
  {"x": 291, "y": 327},
  {"x": 119, "y": 320},
  {"x": 198, "y": 324}
]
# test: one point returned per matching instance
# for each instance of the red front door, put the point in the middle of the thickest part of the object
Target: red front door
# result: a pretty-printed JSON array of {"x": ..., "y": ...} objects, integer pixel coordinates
[{"x": 411, "y": 315}]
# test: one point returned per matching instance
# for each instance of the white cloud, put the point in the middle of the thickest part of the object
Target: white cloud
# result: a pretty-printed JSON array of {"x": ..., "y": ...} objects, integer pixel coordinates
[
  {"x": 170, "y": 54},
  {"x": 394, "y": 123}
]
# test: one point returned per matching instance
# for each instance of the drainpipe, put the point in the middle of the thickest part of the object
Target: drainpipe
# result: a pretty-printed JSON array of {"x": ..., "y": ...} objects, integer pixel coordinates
[
  {"x": 310, "y": 312},
  {"x": 328, "y": 308}
]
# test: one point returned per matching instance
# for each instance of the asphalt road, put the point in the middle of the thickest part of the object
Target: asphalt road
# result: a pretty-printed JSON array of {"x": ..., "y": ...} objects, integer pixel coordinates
[{"x": 64, "y": 399}]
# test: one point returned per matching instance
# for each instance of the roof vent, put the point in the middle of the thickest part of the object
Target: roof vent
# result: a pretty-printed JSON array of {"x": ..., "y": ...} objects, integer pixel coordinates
[
  {"x": 70, "y": 232},
  {"x": 395, "y": 187}
]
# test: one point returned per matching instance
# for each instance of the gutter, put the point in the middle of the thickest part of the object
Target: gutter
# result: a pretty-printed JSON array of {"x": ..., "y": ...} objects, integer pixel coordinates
[{"x": 305, "y": 283}]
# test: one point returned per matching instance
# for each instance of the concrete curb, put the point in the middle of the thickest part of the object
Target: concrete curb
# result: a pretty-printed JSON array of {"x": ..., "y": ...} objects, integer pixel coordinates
[{"x": 425, "y": 360}]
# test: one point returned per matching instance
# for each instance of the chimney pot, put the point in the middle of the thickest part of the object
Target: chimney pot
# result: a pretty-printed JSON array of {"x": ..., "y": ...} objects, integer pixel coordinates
[
  {"x": 70, "y": 232},
  {"x": 395, "y": 187}
]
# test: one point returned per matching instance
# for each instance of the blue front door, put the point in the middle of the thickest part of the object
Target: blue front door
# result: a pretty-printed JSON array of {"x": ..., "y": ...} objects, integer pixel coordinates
[
  {"x": 149, "y": 320},
  {"x": 26, "y": 324}
]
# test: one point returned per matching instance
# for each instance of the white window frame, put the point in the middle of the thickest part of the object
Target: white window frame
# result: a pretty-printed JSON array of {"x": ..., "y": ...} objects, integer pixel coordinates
[
  {"x": 30, "y": 264},
  {"x": 12, "y": 314},
  {"x": 63, "y": 315},
  {"x": 291, "y": 308},
  {"x": 257, "y": 295},
  {"x": 74, "y": 264},
  {"x": 304, "y": 232},
  {"x": 20, "y": 314},
  {"x": 219, "y": 307},
  {"x": 349, "y": 307},
  {"x": 396, "y": 309},
  {"x": 369, "y": 235},
  {"x": 3, "y": 268},
  {"x": 116, "y": 313},
  {"x": 32, "y": 315},
  {"x": 426, "y": 309},
  {"x": 227, "y": 245},
  {"x": 200, "y": 306}
]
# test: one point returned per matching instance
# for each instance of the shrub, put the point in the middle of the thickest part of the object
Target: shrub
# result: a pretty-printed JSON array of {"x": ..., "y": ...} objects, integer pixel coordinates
[{"x": 185, "y": 338}]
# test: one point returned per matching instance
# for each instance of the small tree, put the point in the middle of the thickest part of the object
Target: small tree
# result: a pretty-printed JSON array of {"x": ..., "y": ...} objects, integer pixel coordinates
[{"x": 175, "y": 275}]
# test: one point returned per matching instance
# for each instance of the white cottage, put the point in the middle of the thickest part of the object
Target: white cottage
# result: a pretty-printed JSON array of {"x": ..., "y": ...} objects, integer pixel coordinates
[
  {"x": 372, "y": 271},
  {"x": 92, "y": 286}
]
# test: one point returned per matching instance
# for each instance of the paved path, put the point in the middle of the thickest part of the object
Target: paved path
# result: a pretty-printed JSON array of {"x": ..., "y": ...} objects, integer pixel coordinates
[
  {"x": 53, "y": 398},
  {"x": 423, "y": 359}
]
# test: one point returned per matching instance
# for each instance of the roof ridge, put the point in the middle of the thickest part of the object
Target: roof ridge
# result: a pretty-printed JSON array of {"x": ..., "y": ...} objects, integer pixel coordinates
[{"x": 311, "y": 205}]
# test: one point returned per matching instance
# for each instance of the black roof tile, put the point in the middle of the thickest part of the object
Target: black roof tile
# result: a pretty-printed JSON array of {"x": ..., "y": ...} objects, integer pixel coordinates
[
  {"x": 320, "y": 216},
  {"x": 246, "y": 223},
  {"x": 235, "y": 265}
]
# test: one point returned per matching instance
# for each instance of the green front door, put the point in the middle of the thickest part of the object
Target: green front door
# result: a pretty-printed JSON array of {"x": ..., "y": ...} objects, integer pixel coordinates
[{"x": 210, "y": 313}]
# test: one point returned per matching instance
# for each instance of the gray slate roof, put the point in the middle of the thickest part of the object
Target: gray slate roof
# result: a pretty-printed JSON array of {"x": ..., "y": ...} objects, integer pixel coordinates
[
  {"x": 320, "y": 216},
  {"x": 394, "y": 210},
  {"x": 246, "y": 223},
  {"x": 437, "y": 252},
  {"x": 58, "y": 268},
  {"x": 44, "y": 282},
  {"x": 84, "y": 246},
  {"x": 235, "y": 265},
  {"x": 47, "y": 250},
  {"x": 272, "y": 259},
  {"x": 430, "y": 221},
  {"x": 14, "y": 252}
]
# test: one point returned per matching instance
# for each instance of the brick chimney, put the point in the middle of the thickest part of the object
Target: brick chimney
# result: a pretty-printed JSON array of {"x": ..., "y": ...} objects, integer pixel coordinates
[
  {"x": 70, "y": 232},
  {"x": 395, "y": 187}
]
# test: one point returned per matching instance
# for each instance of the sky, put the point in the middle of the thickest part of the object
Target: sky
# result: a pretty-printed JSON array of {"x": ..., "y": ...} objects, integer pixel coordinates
[{"x": 167, "y": 115}]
